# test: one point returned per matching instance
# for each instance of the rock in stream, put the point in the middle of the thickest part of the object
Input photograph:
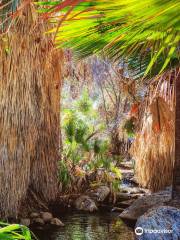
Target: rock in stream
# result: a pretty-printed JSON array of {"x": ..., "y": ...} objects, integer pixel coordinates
[
  {"x": 85, "y": 203},
  {"x": 159, "y": 223},
  {"x": 143, "y": 204}
]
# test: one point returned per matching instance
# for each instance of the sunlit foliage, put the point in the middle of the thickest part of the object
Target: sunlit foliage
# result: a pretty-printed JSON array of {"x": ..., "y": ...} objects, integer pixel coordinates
[{"x": 143, "y": 33}]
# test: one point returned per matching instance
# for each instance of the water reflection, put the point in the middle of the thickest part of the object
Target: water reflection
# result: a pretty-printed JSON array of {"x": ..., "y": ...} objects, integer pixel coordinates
[{"x": 83, "y": 226}]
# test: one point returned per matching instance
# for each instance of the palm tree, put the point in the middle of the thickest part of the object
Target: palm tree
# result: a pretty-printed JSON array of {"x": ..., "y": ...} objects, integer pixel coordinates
[
  {"x": 144, "y": 34},
  {"x": 29, "y": 109}
]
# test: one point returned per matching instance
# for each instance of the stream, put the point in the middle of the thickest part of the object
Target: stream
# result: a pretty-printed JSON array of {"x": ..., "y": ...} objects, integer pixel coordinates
[{"x": 85, "y": 226}]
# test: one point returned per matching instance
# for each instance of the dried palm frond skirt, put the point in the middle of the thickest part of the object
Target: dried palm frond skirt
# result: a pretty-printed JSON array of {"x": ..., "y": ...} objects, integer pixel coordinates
[
  {"x": 153, "y": 148},
  {"x": 30, "y": 81}
]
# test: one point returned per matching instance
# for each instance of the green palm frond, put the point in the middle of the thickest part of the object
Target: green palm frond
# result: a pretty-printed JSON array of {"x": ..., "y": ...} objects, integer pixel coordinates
[
  {"x": 138, "y": 31},
  {"x": 14, "y": 231}
]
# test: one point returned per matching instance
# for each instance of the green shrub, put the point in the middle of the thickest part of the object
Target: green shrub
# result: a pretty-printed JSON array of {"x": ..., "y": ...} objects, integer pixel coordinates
[
  {"x": 14, "y": 232},
  {"x": 85, "y": 144}
]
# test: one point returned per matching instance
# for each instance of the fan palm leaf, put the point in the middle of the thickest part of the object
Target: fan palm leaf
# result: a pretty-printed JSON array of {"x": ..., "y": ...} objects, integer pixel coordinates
[
  {"x": 137, "y": 31},
  {"x": 15, "y": 231}
]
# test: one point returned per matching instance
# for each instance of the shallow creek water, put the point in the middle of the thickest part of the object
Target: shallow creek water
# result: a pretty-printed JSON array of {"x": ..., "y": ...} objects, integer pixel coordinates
[{"x": 84, "y": 226}]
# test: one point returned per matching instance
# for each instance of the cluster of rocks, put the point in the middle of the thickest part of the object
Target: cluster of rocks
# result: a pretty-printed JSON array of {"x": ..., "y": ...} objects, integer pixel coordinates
[
  {"x": 140, "y": 206},
  {"x": 150, "y": 213},
  {"x": 92, "y": 199},
  {"x": 136, "y": 205},
  {"x": 96, "y": 198},
  {"x": 153, "y": 218},
  {"x": 41, "y": 219}
]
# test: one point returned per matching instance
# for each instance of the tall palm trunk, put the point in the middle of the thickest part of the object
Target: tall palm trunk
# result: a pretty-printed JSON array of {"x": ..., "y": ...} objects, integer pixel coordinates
[
  {"x": 176, "y": 172},
  {"x": 29, "y": 114}
]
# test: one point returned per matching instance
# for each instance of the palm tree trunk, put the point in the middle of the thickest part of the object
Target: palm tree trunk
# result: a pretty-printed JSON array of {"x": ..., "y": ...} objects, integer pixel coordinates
[
  {"x": 29, "y": 114},
  {"x": 176, "y": 172}
]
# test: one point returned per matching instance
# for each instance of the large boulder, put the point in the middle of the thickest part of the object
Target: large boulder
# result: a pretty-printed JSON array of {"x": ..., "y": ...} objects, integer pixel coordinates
[
  {"x": 143, "y": 204},
  {"x": 85, "y": 203},
  {"x": 99, "y": 194},
  {"x": 102, "y": 193},
  {"x": 159, "y": 223}
]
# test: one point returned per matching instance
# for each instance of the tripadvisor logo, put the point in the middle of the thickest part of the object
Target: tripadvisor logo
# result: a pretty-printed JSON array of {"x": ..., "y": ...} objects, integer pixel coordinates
[{"x": 138, "y": 231}]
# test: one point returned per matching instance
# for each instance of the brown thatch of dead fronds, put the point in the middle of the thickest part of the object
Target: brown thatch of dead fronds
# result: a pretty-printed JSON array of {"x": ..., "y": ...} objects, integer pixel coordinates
[
  {"x": 29, "y": 113},
  {"x": 153, "y": 148}
]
